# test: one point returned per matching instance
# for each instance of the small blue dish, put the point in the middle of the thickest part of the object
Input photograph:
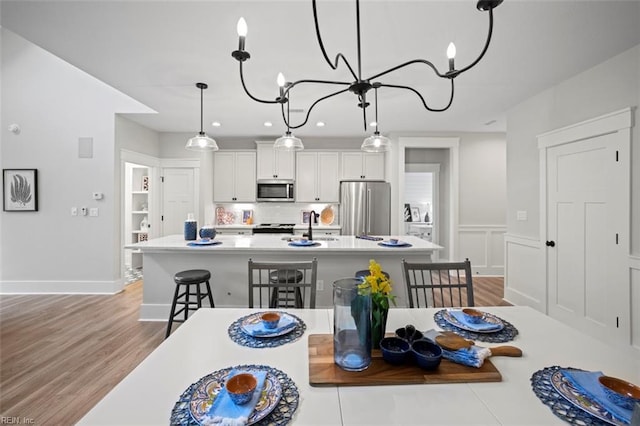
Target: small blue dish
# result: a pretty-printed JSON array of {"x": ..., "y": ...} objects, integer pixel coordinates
[
  {"x": 620, "y": 392},
  {"x": 270, "y": 320},
  {"x": 241, "y": 388},
  {"x": 403, "y": 334},
  {"x": 427, "y": 353},
  {"x": 473, "y": 315},
  {"x": 395, "y": 350}
]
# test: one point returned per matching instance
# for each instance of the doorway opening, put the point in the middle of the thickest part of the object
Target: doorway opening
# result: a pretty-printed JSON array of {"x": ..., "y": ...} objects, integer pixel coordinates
[{"x": 421, "y": 195}]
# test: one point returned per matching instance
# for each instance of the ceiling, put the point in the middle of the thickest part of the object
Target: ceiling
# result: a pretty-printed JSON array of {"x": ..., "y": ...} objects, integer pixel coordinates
[{"x": 155, "y": 52}]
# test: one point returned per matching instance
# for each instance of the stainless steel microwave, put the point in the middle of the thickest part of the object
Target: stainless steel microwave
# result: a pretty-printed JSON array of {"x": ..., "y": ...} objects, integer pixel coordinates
[{"x": 275, "y": 190}]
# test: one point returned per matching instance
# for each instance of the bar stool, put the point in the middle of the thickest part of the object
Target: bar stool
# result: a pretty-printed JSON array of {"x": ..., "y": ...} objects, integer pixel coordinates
[
  {"x": 184, "y": 281},
  {"x": 284, "y": 294}
]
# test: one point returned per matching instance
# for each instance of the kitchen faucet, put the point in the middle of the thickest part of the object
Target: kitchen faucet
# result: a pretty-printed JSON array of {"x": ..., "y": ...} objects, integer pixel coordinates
[{"x": 313, "y": 218}]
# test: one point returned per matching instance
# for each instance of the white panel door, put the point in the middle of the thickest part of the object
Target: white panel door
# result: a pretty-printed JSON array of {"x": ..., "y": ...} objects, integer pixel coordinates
[
  {"x": 178, "y": 199},
  {"x": 584, "y": 185}
]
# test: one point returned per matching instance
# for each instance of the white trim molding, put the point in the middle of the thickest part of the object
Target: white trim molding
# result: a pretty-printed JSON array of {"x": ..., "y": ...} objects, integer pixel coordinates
[
  {"x": 634, "y": 282},
  {"x": 483, "y": 245}
]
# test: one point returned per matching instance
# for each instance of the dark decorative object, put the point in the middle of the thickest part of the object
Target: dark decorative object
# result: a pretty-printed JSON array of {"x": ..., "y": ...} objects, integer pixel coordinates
[
  {"x": 407, "y": 213},
  {"x": 359, "y": 84},
  {"x": 20, "y": 190}
]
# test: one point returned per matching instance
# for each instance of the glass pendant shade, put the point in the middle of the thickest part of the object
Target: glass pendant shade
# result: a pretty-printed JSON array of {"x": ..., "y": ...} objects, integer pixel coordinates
[
  {"x": 201, "y": 142},
  {"x": 288, "y": 142},
  {"x": 376, "y": 143}
]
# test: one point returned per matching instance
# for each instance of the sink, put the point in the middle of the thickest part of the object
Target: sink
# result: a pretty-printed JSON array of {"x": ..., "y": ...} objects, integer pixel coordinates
[{"x": 323, "y": 238}]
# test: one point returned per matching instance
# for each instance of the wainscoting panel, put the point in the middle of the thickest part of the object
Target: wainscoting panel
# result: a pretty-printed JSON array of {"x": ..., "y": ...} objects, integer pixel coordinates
[
  {"x": 525, "y": 280},
  {"x": 484, "y": 246},
  {"x": 634, "y": 271}
]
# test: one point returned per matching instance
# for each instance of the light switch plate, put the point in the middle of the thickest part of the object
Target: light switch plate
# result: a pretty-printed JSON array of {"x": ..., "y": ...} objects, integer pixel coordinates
[
  {"x": 521, "y": 215},
  {"x": 93, "y": 211}
]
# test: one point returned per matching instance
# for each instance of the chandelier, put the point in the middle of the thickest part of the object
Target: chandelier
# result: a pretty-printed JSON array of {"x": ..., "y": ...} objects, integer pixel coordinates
[{"x": 359, "y": 85}]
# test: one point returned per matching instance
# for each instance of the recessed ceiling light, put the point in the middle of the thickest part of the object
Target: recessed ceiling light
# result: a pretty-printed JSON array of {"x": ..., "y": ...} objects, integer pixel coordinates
[
  {"x": 268, "y": 124},
  {"x": 320, "y": 124},
  {"x": 215, "y": 124}
]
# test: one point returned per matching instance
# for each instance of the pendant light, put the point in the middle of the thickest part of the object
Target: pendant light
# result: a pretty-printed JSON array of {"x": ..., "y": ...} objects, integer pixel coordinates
[
  {"x": 201, "y": 142},
  {"x": 376, "y": 142},
  {"x": 288, "y": 142}
]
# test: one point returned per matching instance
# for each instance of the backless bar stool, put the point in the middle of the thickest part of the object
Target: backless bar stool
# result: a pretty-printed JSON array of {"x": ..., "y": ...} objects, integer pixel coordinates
[{"x": 189, "y": 281}]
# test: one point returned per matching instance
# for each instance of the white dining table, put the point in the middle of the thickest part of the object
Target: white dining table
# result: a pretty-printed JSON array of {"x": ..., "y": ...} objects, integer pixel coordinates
[{"x": 202, "y": 345}]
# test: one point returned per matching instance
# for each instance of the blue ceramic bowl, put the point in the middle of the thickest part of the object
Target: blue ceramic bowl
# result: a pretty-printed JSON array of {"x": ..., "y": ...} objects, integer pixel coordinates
[
  {"x": 270, "y": 320},
  {"x": 426, "y": 353},
  {"x": 620, "y": 392},
  {"x": 395, "y": 350},
  {"x": 241, "y": 387},
  {"x": 402, "y": 333},
  {"x": 473, "y": 316}
]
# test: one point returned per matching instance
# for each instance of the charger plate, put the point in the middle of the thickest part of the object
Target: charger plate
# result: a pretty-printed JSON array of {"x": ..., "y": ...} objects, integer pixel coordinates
[
  {"x": 544, "y": 388},
  {"x": 280, "y": 414},
  {"x": 257, "y": 317},
  {"x": 507, "y": 334},
  {"x": 240, "y": 337}
]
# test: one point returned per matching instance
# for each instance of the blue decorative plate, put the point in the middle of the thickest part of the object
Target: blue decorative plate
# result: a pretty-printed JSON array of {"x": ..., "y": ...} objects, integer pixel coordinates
[
  {"x": 252, "y": 319},
  {"x": 488, "y": 319},
  {"x": 390, "y": 244},
  {"x": 303, "y": 243},
  {"x": 204, "y": 242},
  {"x": 210, "y": 386},
  {"x": 582, "y": 400}
]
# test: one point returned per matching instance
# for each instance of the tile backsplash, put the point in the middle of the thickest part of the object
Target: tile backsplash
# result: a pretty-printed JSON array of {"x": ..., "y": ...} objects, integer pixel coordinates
[{"x": 273, "y": 212}]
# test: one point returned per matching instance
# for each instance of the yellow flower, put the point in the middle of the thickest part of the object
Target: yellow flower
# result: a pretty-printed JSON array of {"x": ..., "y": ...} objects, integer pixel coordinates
[{"x": 379, "y": 284}]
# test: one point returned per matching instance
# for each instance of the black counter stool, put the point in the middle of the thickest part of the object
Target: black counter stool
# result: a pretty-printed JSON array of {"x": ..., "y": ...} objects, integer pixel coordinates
[
  {"x": 184, "y": 281},
  {"x": 281, "y": 297},
  {"x": 365, "y": 273}
]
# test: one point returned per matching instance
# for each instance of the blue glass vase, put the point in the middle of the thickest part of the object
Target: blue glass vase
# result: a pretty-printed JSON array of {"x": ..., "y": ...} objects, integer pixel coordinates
[
  {"x": 351, "y": 325},
  {"x": 190, "y": 230}
]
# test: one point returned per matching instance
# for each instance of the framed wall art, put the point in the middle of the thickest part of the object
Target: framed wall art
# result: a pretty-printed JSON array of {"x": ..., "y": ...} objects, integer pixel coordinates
[
  {"x": 20, "y": 190},
  {"x": 415, "y": 214}
]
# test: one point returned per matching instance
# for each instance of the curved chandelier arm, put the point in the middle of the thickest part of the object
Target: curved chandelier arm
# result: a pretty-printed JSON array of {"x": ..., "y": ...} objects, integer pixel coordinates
[
  {"x": 285, "y": 118},
  {"x": 421, "y": 98},
  {"x": 414, "y": 61},
  {"x": 324, "y": 52},
  {"x": 295, "y": 83},
  {"x": 486, "y": 46},
  {"x": 244, "y": 86}
]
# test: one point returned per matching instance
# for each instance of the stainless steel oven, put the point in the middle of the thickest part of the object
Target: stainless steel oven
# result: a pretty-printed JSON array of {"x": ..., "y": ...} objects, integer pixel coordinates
[{"x": 275, "y": 190}]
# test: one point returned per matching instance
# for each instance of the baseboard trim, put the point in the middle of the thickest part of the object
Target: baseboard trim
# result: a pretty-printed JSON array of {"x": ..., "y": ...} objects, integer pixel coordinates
[{"x": 61, "y": 287}]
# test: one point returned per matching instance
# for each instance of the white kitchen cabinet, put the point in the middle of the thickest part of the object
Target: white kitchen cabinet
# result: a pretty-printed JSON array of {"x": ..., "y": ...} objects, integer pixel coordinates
[
  {"x": 317, "y": 177},
  {"x": 234, "y": 176},
  {"x": 359, "y": 165},
  {"x": 274, "y": 163}
]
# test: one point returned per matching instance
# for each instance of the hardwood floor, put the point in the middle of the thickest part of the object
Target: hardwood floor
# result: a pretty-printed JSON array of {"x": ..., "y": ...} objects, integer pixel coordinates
[{"x": 61, "y": 354}]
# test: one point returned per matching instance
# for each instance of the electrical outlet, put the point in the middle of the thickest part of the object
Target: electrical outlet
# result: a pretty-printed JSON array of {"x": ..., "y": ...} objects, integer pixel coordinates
[
  {"x": 320, "y": 285},
  {"x": 74, "y": 211},
  {"x": 93, "y": 211},
  {"x": 521, "y": 215}
]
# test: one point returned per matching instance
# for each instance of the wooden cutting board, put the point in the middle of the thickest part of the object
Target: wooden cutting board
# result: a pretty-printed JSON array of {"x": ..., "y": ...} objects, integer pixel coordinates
[{"x": 324, "y": 372}]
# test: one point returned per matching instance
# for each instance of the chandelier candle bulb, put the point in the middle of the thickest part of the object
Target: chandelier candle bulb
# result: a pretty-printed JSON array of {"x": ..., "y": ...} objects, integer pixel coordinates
[
  {"x": 451, "y": 54},
  {"x": 242, "y": 32},
  {"x": 280, "y": 80}
]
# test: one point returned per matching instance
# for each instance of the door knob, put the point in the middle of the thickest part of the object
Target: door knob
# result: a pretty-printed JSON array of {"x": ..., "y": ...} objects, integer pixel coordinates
[{"x": 551, "y": 243}]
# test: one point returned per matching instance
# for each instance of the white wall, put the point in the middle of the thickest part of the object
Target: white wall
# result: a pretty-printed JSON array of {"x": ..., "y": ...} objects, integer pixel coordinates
[
  {"x": 55, "y": 104},
  {"x": 610, "y": 86}
]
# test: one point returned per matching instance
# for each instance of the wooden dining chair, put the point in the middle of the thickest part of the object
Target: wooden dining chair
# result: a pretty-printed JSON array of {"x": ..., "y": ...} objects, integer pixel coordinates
[
  {"x": 442, "y": 284},
  {"x": 283, "y": 284}
]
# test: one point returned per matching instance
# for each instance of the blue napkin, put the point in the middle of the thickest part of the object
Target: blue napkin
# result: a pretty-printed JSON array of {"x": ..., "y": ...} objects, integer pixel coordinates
[
  {"x": 258, "y": 329},
  {"x": 587, "y": 381},
  {"x": 225, "y": 412},
  {"x": 481, "y": 326}
]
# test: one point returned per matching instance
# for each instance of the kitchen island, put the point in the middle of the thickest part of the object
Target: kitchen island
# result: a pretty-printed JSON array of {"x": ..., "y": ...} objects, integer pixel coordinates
[{"x": 338, "y": 257}]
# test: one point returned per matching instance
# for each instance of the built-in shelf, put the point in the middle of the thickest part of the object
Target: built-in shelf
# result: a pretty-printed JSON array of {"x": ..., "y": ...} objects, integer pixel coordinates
[
  {"x": 140, "y": 212},
  {"x": 139, "y": 232}
]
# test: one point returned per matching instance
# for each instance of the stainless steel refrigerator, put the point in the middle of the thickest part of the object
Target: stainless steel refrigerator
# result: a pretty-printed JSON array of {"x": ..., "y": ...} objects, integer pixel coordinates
[{"x": 365, "y": 208}]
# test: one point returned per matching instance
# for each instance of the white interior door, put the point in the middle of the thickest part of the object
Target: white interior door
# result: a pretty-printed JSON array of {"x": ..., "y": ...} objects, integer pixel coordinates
[
  {"x": 178, "y": 199},
  {"x": 585, "y": 192}
]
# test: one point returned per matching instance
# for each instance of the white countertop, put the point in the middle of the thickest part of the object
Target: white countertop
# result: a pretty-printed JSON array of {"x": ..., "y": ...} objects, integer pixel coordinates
[
  {"x": 271, "y": 242},
  {"x": 201, "y": 346}
]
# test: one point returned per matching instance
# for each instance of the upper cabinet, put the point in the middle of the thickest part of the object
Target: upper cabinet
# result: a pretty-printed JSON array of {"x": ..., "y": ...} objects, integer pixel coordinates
[
  {"x": 359, "y": 165},
  {"x": 317, "y": 177},
  {"x": 234, "y": 176},
  {"x": 274, "y": 164}
]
